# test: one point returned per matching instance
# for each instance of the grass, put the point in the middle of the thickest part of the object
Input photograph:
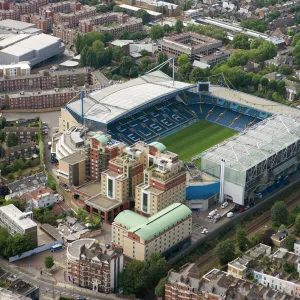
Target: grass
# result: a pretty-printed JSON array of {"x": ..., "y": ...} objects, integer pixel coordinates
[{"x": 196, "y": 138}]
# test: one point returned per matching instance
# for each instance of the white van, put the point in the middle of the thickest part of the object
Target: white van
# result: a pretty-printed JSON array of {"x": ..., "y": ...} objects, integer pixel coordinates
[
  {"x": 230, "y": 215},
  {"x": 212, "y": 213},
  {"x": 224, "y": 204}
]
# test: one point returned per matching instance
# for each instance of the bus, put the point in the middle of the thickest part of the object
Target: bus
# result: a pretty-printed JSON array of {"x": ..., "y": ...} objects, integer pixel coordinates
[{"x": 56, "y": 247}]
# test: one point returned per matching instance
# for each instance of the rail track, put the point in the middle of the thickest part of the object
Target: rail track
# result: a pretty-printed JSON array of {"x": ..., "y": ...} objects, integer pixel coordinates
[{"x": 209, "y": 260}]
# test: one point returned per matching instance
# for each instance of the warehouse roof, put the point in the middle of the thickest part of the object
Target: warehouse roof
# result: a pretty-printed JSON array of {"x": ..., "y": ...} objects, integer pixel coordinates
[
  {"x": 253, "y": 101},
  {"x": 146, "y": 228},
  {"x": 16, "y": 25},
  {"x": 255, "y": 144},
  {"x": 10, "y": 40},
  {"x": 115, "y": 101}
]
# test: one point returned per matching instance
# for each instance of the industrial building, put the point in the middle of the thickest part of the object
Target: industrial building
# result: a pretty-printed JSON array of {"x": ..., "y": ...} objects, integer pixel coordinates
[
  {"x": 34, "y": 49},
  {"x": 166, "y": 232},
  {"x": 92, "y": 266},
  {"x": 18, "y": 222}
]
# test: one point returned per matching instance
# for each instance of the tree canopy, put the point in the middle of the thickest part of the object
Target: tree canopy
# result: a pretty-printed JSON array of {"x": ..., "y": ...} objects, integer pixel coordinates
[
  {"x": 49, "y": 262},
  {"x": 279, "y": 213},
  {"x": 225, "y": 251},
  {"x": 289, "y": 242},
  {"x": 178, "y": 27},
  {"x": 17, "y": 244},
  {"x": 156, "y": 32},
  {"x": 12, "y": 140},
  {"x": 240, "y": 41},
  {"x": 241, "y": 238}
]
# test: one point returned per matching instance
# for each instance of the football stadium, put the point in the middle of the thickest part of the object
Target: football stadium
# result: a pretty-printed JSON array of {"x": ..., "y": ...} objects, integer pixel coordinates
[{"x": 246, "y": 145}]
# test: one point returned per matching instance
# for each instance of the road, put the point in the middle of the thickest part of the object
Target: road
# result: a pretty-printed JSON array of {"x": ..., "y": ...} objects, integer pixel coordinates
[{"x": 52, "y": 289}]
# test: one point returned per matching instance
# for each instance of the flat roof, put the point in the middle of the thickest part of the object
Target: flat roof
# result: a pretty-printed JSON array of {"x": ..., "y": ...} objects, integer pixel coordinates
[
  {"x": 253, "y": 101},
  {"x": 17, "y": 25},
  {"x": 13, "y": 39},
  {"x": 146, "y": 228},
  {"x": 73, "y": 158},
  {"x": 256, "y": 144},
  {"x": 69, "y": 63},
  {"x": 115, "y": 101},
  {"x": 17, "y": 216},
  {"x": 104, "y": 203}
]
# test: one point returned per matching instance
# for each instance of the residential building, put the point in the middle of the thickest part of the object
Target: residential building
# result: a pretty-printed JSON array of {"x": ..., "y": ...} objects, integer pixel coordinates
[
  {"x": 62, "y": 31},
  {"x": 18, "y": 222},
  {"x": 62, "y": 6},
  {"x": 29, "y": 6},
  {"x": 71, "y": 169},
  {"x": 102, "y": 148},
  {"x": 217, "y": 57},
  {"x": 280, "y": 60},
  {"x": 166, "y": 232},
  {"x": 193, "y": 44},
  {"x": 41, "y": 22},
  {"x": 215, "y": 285},
  {"x": 27, "y": 151},
  {"x": 14, "y": 70},
  {"x": 291, "y": 89},
  {"x": 279, "y": 237},
  {"x": 72, "y": 77},
  {"x": 251, "y": 66},
  {"x": 93, "y": 266},
  {"x": 164, "y": 181},
  {"x": 25, "y": 134}
]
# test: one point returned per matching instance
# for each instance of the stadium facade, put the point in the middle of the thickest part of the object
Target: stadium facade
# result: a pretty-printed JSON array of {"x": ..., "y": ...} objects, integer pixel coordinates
[{"x": 256, "y": 161}]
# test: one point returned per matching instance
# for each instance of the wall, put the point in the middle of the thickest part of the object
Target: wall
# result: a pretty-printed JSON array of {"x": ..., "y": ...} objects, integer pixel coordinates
[{"x": 195, "y": 192}]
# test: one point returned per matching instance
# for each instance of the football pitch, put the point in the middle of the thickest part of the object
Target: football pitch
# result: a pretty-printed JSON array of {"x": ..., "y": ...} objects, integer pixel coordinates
[{"x": 196, "y": 138}]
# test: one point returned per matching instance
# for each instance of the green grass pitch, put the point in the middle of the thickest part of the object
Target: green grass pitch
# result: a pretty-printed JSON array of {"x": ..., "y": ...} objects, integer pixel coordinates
[{"x": 196, "y": 138}]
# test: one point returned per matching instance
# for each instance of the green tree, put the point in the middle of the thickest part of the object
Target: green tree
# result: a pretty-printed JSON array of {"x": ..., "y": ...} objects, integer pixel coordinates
[
  {"x": 12, "y": 140},
  {"x": 156, "y": 32},
  {"x": 125, "y": 65},
  {"x": 238, "y": 58},
  {"x": 296, "y": 38},
  {"x": 279, "y": 214},
  {"x": 257, "y": 25},
  {"x": 2, "y": 135},
  {"x": 49, "y": 262},
  {"x": 272, "y": 85},
  {"x": 158, "y": 268},
  {"x": 256, "y": 80},
  {"x": 18, "y": 244},
  {"x": 81, "y": 214},
  {"x": 117, "y": 8},
  {"x": 264, "y": 82},
  {"x": 241, "y": 238},
  {"x": 285, "y": 70},
  {"x": 117, "y": 53},
  {"x": 281, "y": 87},
  {"x": 225, "y": 251},
  {"x": 297, "y": 225},
  {"x": 18, "y": 164},
  {"x": 144, "y": 52},
  {"x": 289, "y": 242},
  {"x": 144, "y": 15},
  {"x": 178, "y": 27},
  {"x": 267, "y": 236},
  {"x": 167, "y": 28},
  {"x": 182, "y": 60},
  {"x": 241, "y": 41},
  {"x": 255, "y": 239},
  {"x": 133, "y": 279},
  {"x": 197, "y": 74},
  {"x": 185, "y": 70},
  {"x": 160, "y": 288},
  {"x": 10, "y": 176},
  {"x": 51, "y": 182},
  {"x": 3, "y": 237},
  {"x": 124, "y": 35},
  {"x": 17, "y": 203}
]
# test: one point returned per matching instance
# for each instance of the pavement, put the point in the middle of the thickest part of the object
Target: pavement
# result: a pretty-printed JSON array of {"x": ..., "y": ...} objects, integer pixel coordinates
[{"x": 49, "y": 288}]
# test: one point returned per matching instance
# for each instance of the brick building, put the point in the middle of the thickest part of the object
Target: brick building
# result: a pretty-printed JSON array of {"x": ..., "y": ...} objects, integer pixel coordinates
[
  {"x": 9, "y": 14},
  {"x": 25, "y": 134},
  {"x": 24, "y": 150},
  {"x": 164, "y": 181},
  {"x": 64, "y": 6},
  {"x": 62, "y": 31},
  {"x": 28, "y": 7},
  {"x": 92, "y": 266},
  {"x": 41, "y": 22}
]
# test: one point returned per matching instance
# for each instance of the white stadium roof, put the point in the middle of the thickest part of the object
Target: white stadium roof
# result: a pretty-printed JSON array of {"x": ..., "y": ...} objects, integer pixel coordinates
[
  {"x": 109, "y": 104},
  {"x": 255, "y": 144}
]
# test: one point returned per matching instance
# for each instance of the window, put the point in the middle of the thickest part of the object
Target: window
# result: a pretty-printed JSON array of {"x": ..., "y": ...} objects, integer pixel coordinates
[{"x": 110, "y": 188}]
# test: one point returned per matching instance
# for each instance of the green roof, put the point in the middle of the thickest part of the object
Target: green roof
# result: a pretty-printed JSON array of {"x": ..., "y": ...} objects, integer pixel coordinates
[
  {"x": 146, "y": 228},
  {"x": 101, "y": 138},
  {"x": 159, "y": 146}
]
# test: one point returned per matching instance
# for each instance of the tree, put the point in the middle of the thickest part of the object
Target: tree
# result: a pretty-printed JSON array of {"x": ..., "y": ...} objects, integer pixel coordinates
[
  {"x": 185, "y": 71},
  {"x": 167, "y": 28},
  {"x": 18, "y": 244},
  {"x": 18, "y": 164},
  {"x": 281, "y": 87},
  {"x": 279, "y": 214},
  {"x": 178, "y": 27},
  {"x": 10, "y": 176},
  {"x": 81, "y": 214},
  {"x": 255, "y": 239},
  {"x": 257, "y": 25},
  {"x": 296, "y": 38},
  {"x": 158, "y": 268},
  {"x": 144, "y": 15},
  {"x": 267, "y": 236},
  {"x": 125, "y": 65},
  {"x": 124, "y": 35},
  {"x": 289, "y": 242},
  {"x": 156, "y": 32},
  {"x": 197, "y": 74},
  {"x": 297, "y": 225},
  {"x": 256, "y": 80},
  {"x": 49, "y": 262},
  {"x": 183, "y": 59},
  {"x": 16, "y": 202},
  {"x": 285, "y": 70},
  {"x": 160, "y": 288},
  {"x": 12, "y": 140},
  {"x": 238, "y": 58},
  {"x": 240, "y": 238},
  {"x": 3, "y": 237},
  {"x": 144, "y": 52},
  {"x": 272, "y": 85},
  {"x": 225, "y": 251},
  {"x": 117, "y": 53},
  {"x": 133, "y": 279},
  {"x": 2, "y": 135},
  {"x": 241, "y": 41}
]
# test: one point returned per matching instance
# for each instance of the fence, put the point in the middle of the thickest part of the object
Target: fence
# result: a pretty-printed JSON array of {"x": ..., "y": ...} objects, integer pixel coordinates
[{"x": 34, "y": 251}]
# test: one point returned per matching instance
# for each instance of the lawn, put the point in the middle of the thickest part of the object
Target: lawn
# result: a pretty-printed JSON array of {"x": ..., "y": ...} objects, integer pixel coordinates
[{"x": 196, "y": 138}]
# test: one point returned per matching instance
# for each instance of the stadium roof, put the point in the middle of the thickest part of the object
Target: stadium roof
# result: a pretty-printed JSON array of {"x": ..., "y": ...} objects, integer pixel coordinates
[
  {"x": 256, "y": 144},
  {"x": 115, "y": 101},
  {"x": 253, "y": 101},
  {"x": 146, "y": 228}
]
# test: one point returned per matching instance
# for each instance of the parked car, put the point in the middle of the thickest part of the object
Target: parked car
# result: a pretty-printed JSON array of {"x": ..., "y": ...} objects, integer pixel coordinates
[
  {"x": 224, "y": 205},
  {"x": 230, "y": 215},
  {"x": 204, "y": 231},
  {"x": 212, "y": 213},
  {"x": 217, "y": 217}
]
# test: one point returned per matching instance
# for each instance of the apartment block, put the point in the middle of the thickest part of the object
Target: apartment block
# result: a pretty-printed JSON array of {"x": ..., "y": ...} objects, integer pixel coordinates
[
  {"x": 71, "y": 169},
  {"x": 73, "y": 77},
  {"x": 63, "y": 6},
  {"x": 41, "y": 22},
  {"x": 9, "y": 14},
  {"x": 25, "y": 134},
  {"x": 101, "y": 149},
  {"x": 215, "y": 285},
  {"x": 62, "y": 31},
  {"x": 27, "y": 150},
  {"x": 193, "y": 44},
  {"x": 72, "y": 19},
  {"x": 13, "y": 70},
  {"x": 18, "y": 222},
  {"x": 166, "y": 232},
  {"x": 28, "y": 7},
  {"x": 93, "y": 266},
  {"x": 164, "y": 181}
]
